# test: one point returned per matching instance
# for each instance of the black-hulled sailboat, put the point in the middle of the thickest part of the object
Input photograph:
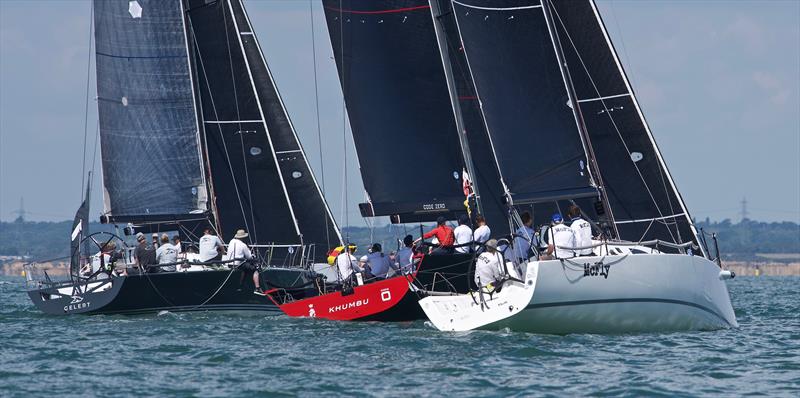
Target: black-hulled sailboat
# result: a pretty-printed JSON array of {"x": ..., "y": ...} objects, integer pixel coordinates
[
  {"x": 530, "y": 99},
  {"x": 193, "y": 134}
]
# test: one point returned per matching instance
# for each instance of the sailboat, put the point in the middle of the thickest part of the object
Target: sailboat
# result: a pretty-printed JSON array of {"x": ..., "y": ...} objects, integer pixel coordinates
[
  {"x": 193, "y": 134},
  {"x": 512, "y": 106}
]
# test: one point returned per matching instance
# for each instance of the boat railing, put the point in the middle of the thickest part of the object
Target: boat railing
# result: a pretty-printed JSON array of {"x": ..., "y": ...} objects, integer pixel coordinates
[{"x": 654, "y": 244}]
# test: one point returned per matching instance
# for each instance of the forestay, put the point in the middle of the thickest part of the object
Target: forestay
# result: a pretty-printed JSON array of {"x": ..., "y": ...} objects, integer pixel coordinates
[
  {"x": 148, "y": 125},
  {"x": 398, "y": 103}
]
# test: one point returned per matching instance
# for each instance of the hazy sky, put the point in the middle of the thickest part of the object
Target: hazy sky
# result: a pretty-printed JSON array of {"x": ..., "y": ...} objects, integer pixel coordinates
[{"x": 718, "y": 81}]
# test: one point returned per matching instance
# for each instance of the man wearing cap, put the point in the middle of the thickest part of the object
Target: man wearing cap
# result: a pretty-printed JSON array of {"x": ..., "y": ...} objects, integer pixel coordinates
[
  {"x": 444, "y": 234},
  {"x": 346, "y": 263},
  {"x": 145, "y": 255},
  {"x": 211, "y": 246},
  {"x": 489, "y": 266},
  {"x": 405, "y": 256},
  {"x": 463, "y": 234},
  {"x": 560, "y": 236},
  {"x": 238, "y": 254}
]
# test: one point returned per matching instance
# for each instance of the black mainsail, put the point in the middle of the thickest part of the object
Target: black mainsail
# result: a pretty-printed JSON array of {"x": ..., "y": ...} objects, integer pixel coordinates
[
  {"x": 152, "y": 167},
  {"x": 399, "y": 106},
  {"x": 193, "y": 128}
]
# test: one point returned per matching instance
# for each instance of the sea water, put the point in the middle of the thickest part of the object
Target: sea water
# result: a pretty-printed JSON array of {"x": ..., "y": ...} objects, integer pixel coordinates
[{"x": 211, "y": 354}]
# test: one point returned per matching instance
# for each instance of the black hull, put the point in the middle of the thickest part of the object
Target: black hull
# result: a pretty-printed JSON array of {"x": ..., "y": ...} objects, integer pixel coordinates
[{"x": 222, "y": 290}]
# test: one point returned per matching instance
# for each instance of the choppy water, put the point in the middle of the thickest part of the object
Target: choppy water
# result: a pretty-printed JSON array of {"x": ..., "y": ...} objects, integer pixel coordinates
[{"x": 227, "y": 355}]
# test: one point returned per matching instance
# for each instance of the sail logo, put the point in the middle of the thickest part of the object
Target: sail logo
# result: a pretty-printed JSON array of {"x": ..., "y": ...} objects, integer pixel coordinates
[
  {"x": 347, "y": 306},
  {"x": 386, "y": 295}
]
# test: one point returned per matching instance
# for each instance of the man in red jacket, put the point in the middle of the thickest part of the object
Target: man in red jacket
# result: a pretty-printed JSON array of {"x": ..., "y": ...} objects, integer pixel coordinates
[{"x": 444, "y": 235}]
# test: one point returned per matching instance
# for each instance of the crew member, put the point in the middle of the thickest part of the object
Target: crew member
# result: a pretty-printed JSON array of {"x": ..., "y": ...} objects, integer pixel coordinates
[
  {"x": 561, "y": 239},
  {"x": 166, "y": 254},
  {"x": 346, "y": 263},
  {"x": 525, "y": 237},
  {"x": 379, "y": 265},
  {"x": 582, "y": 230},
  {"x": 211, "y": 246},
  {"x": 238, "y": 256},
  {"x": 489, "y": 266},
  {"x": 405, "y": 256},
  {"x": 463, "y": 234},
  {"x": 145, "y": 254},
  {"x": 482, "y": 233},
  {"x": 443, "y": 234}
]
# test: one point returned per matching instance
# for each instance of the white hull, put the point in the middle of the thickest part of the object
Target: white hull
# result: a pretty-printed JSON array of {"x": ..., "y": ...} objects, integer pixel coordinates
[
  {"x": 621, "y": 294},
  {"x": 463, "y": 312}
]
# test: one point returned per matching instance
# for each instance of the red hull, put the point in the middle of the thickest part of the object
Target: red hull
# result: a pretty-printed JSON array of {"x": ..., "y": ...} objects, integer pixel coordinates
[{"x": 388, "y": 300}]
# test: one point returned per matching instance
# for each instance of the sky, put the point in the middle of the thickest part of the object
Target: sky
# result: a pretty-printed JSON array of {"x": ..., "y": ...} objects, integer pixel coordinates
[{"x": 718, "y": 81}]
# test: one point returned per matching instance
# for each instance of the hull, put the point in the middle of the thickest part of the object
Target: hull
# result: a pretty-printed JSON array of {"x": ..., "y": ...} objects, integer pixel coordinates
[
  {"x": 222, "y": 290},
  {"x": 461, "y": 312},
  {"x": 390, "y": 300},
  {"x": 626, "y": 294}
]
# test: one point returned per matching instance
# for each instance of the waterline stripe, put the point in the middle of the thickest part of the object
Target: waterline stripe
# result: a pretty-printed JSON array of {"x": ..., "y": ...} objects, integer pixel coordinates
[{"x": 629, "y": 300}]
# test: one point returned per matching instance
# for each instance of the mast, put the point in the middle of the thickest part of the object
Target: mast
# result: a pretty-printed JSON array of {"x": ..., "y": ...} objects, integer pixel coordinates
[
  {"x": 594, "y": 170},
  {"x": 460, "y": 126}
]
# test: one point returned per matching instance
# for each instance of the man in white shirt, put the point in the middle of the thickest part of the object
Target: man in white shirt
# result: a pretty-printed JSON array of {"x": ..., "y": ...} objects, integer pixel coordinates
[
  {"x": 238, "y": 254},
  {"x": 166, "y": 254},
  {"x": 347, "y": 264},
  {"x": 560, "y": 236},
  {"x": 582, "y": 231},
  {"x": 489, "y": 266},
  {"x": 211, "y": 246},
  {"x": 525, "y": 236},
  {"x": 463, "y": 234},
  {"x": 482, "y": 233},
  {"x": 405, "y": 256}
]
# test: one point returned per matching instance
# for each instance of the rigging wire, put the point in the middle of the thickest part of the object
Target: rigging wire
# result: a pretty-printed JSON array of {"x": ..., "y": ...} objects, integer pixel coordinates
[
  {"x": 316, "y": 102},
  {"x": 86, "y": 98}
]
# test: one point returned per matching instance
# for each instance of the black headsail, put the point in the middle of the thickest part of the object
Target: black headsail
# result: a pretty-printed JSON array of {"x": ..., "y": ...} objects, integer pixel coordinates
[
  {"x": 526, "y": 104},
  {"x": 152, "y": 166},
  {"x": 260, "y": 175},
  {"x": 641, "y": 191},
  {"x": 397, "y": 99}
]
